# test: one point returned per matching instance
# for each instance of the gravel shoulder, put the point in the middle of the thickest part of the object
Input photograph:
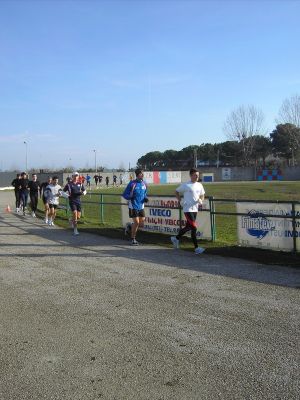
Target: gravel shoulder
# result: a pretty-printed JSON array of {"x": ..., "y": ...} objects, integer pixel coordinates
[{"x": 89, "y": 317}]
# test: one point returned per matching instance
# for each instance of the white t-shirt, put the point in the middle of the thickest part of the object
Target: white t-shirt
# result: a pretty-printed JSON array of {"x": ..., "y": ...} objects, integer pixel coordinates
[
  {"x": 51, "y": 193},
  {"x": 191, "y": 193}
]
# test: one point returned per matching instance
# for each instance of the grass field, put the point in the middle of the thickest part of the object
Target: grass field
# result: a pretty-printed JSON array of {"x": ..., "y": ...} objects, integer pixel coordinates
[{"x": 226, "y": 241}]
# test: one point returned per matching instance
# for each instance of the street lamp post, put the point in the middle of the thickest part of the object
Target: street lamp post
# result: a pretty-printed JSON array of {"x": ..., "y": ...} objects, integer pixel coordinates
[
  {"x": 26, "y": 157},
  {"x": 195, "y": 158},
  {"x": 95, "y": 151}
]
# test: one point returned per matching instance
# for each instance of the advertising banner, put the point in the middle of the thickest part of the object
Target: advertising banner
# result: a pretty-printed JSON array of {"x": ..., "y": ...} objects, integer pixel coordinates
[
  {"x": 148, "y": 176},
  {"x": 156, "y": 177},
  {"x": 174, "y": 177},
  {"x": 226, "y": 174},
  {"x": 163, "y": 177},
  {"x": 257, "y": 230},
  {"x": 297, "y": 210},
  {"x": 167, "y": 220},
  {"x": 207, "y": 177}
]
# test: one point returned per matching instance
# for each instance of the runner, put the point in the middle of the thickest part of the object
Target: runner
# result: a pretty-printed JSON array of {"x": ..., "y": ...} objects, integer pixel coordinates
[
  {"x": 44, "y": 198},
  {"x": 96, "y": 178},
  {"x": 88, "y": 180},
  {"x": 23, "y": 191},
  {"x": 16, "y": 184},
  {"x": 136, "y": 194},
  {"x": 52, "y": 193},
  {"x": 193, "y": 196},
  {"x": 34, "y": 186},
  {"x": 75, "y": 190}
]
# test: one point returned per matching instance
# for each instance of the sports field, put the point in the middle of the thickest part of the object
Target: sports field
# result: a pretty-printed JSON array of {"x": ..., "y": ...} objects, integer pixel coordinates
[{"x": 107, "y": 221}]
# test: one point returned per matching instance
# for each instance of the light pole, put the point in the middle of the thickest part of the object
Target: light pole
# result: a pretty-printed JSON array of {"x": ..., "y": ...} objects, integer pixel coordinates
[
  {"x": 218, "y": 158},
  {"x": 195, "y": 158},
  {"x": 26, "y": 157},
  {"x": 95, "y": 151}
]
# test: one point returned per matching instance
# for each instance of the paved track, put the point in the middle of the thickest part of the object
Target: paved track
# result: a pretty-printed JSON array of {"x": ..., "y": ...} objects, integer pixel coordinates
[{"x": 93, "y": 318}]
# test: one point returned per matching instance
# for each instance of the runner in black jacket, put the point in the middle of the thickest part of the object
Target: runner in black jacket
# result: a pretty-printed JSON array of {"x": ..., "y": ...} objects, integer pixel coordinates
[
  {"x": 44, "y": 198},
  {"x": 16, "y": 184},
  {"x": 34, "y": 186},
  {"x": 24, "y": 190}
]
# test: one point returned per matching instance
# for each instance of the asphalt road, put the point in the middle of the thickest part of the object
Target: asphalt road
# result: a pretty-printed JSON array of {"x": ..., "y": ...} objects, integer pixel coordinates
[{"x": 92, "y": 318}]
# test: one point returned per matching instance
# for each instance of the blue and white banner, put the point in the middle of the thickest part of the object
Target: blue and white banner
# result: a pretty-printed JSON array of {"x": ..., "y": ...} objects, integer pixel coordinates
[
  {"x": 162, "y": 177},
  {"x": 297, "y": 210},
  {"x": 257, "y": 230},
  {"x": 167, "y": 220},
  {"x": 226, "y": 174}
]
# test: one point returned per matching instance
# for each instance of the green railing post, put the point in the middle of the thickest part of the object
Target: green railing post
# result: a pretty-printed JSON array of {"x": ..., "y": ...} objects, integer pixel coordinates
[
  {"x": 180, "y": 216},
  {"x": 294, "y": 227},
  {"x": 212, "y": 218},
  {"x": 67, "y": 208},
  {"x": 101, "y": 209}
]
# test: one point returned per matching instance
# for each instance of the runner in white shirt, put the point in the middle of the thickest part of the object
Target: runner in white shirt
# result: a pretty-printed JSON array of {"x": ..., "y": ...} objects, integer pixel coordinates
[
  {"x": 52, "y": 193},
  {"x": 193, "y": 195}
]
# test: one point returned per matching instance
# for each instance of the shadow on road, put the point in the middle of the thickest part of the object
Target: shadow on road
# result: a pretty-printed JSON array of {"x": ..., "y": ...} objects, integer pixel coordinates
[{"x": 51, "y": 242}]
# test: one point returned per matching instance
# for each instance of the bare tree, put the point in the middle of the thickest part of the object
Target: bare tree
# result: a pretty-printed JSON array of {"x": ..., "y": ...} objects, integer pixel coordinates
[
  {"x": 289, "y": 112},
  {"x": 243, "y": 125}
]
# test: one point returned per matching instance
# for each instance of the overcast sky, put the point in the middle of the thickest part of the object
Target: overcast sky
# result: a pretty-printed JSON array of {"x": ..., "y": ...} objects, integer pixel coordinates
[{"x": 128, "y": 77}]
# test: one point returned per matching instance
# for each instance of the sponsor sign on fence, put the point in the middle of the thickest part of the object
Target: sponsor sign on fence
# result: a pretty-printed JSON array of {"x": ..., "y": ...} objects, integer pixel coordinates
[
  {"x": 297, "y": 211},
  {"x": 167, "y": 219},
  {"x": 226, "y": 174},
  {"x": 162, "y": 177},
  {"x": 256, "y": 229}
]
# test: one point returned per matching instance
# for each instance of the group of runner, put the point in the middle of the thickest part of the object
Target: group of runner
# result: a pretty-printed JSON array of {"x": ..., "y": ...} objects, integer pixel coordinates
[
  {"x": 99, "y": 178},
  {"x": 190, "y": 196},
  {"x": 50, "y": 192},
  {"x": 24, "y": 187}
]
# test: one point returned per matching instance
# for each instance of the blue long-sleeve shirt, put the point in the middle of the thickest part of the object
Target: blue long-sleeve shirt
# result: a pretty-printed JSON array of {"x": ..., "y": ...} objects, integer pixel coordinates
[{"x": 136, "y": 193}]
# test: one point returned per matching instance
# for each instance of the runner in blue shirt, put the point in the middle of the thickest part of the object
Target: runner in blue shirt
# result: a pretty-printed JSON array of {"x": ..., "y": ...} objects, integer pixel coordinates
[
  {"x": 75, "y": 190},
  {"x": 88, "y": 180},
  {"x": 136, "y": 194}
]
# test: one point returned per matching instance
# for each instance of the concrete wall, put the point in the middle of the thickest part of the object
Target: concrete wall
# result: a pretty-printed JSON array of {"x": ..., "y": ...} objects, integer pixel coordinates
[
  {"x": 237, "y": 174},
  {"x": 7, "y": 177},
  {"x": 291, "y": 173}
]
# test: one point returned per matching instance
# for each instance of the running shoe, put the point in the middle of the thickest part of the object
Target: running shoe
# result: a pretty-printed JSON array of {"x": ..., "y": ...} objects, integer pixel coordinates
[
  {"x": 134, "y": 242},
  {"x": 175, "y": 242},
  {"x": 199, "y": 250},
  {"x": 33, "y": 214},
  {"x": 75, "y": 233},
  {"x": 128, "y": 228}
]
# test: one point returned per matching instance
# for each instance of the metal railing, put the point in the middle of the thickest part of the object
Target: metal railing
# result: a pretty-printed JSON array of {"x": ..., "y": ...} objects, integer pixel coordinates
[{"x": 294, "y": 216}]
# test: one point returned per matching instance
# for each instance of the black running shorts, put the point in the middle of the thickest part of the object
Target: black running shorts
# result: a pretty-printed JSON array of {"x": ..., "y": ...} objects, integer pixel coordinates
[
  {"x": 136, "y": 213},
  {"x": 75, "y": 206}
]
